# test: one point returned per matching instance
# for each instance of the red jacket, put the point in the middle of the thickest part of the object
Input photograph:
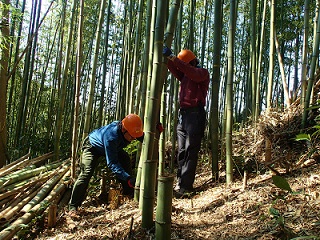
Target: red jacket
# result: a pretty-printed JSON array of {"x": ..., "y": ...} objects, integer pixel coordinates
[{"x": 194, "y": 83}]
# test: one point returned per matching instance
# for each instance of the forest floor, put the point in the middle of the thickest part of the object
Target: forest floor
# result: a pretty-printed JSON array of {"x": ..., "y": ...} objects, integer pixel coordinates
[{"x": 218, "y": 211}]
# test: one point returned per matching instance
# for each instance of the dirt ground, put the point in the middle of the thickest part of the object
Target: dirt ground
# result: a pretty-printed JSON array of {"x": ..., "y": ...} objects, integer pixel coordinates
[{"x": 261, "y": 211}]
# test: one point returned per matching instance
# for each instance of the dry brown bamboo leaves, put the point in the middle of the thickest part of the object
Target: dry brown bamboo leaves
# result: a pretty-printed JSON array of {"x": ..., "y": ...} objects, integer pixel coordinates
[{"x": 281, "y": 129}]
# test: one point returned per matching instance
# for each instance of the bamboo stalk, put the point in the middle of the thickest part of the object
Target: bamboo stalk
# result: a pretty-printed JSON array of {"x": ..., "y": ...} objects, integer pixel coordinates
[
  {"x": 16, "y": 226},
  {"x": 13, "y": 199},
  {"x": 42, "y": 158},
  {"x": 5, "y": 179},
  {"x": 46, "y": 189},
  {"x": 8, "y": 213},
  {"x": 10, "y": 165},
  {"x": 5, "y": 201},
  {"x": 9, "y": 192},
  {"x": 12, "y": 178}
]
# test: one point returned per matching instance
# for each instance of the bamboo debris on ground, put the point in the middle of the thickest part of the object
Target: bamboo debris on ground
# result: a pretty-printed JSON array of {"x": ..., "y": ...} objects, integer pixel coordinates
[
  {"x": 20, "y": 186},
  {"x": 46, "y": 188},
  {"x": 16, "y": 206},
  {"x": 281, "y": 129},
  {"x": 27, "y": 189},
  {"x": 36, "y": 210},
  {"x": 14, "y": 165},
  {"x": 25, "y": 174}
]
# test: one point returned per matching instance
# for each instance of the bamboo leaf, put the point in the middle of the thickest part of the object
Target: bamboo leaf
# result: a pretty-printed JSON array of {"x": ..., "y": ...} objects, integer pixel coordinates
[
  {"x": 303, "y": 136},
  {"x": 281, "y": 182}
]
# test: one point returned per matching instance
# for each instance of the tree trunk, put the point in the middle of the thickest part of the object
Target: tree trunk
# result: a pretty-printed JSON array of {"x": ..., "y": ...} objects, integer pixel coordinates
[
  {"x": 63, "y": 87},
  {"x": 75, "y": 129},
  {"x": 87, "y": 124}
]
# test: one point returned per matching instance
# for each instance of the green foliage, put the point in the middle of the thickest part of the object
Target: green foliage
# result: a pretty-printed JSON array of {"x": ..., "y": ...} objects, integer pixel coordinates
[
  {"x": 303, "y": 136},
  {"x": 277, "y": 216},
  {"x": 132, "y": 148},
  {"x": 312, "y": 137},
  {"x": 281, "y": 182}
]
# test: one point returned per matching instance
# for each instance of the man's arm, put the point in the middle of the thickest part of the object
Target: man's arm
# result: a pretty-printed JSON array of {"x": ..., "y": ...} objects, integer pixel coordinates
[
  {"x": 194, "y": 73},
  {"x": 113, "y": 162}
]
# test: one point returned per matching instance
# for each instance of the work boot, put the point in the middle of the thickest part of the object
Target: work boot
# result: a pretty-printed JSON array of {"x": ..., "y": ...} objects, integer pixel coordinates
[{"x": 183, "y": 193}]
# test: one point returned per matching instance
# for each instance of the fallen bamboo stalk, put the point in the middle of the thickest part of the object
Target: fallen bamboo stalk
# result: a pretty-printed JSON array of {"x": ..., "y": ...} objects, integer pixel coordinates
[
  {"x": 14, "y": 198},
  {"x": 38, "y": 209},
  {"x": 17, "y": 205},
  {"x": 5, "y": 201},
  {"x": 23, "y": 162},
  {"x": 6, "y": 167},
  {"x": 42, "y": 158},
  {"x": 9, "y": 192},
  {"x": 46, "y": 189},
  {"x": 12, "y": 178}
]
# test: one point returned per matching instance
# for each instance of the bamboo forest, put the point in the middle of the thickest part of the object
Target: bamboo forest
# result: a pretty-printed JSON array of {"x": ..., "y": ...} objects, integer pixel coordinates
[{"x": 159, "y": 119}]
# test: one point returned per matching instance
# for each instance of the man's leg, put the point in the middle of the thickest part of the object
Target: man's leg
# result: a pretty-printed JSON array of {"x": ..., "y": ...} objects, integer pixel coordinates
[
  {"x": 188, "y": 169},
  {"x": 194, "y": 126},
  {"x": 88, "y": 163},
  {"x": 181, "y": 138}
]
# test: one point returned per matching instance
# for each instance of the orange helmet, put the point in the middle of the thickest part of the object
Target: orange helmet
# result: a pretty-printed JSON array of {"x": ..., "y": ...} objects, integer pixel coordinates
[
  {"x": 186, "y": 55},
  {"x": 133, "y": 124}
]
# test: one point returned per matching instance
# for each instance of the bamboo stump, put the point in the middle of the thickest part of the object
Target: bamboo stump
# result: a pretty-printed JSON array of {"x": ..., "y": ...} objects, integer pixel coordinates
[{"x": 52, "y": 215}]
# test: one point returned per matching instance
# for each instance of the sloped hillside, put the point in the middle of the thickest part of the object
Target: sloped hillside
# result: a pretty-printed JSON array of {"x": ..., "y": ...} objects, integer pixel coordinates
[
  {"x": 217, "y": 211},
  {"x": 262, "y": 211}
]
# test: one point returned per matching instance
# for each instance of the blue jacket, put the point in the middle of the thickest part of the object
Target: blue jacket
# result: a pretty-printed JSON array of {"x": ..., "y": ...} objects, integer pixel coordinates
[{"x": 108, "y": 141}]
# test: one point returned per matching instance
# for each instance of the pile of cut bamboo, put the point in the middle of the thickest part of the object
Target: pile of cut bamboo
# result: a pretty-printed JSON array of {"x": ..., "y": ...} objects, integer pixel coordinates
[{"x": 29, "y": 187}]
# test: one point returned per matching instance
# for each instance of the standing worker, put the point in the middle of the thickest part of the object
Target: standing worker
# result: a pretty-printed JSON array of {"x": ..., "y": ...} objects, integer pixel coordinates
[
  {"x": 194, "y": 84},
  {"x": 107, "y": 141}
]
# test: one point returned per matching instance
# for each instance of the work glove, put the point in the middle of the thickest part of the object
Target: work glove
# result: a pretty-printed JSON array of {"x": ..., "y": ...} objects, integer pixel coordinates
[
  {"x": 131, "y": 182},
  {"x": 167, "y": 52},
  {"x": 159, "y": 127}
]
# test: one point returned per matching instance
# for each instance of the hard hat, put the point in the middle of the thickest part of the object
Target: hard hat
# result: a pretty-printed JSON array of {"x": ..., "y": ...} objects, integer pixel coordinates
[
  {"x": 133, "y": 124},
  {"x": 186, "y": 55}
]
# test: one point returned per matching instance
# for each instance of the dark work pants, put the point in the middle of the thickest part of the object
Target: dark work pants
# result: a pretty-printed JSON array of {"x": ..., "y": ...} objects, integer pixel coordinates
[
  {"x": 88, "y": 162},
  {"x": 190, "y": 131}
]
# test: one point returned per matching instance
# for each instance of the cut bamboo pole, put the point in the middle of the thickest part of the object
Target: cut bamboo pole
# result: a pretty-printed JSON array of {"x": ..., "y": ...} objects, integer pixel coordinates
[
  {"x": 22, "y": 162},
  {"x": 9, "y": 192},
  {"x": 41, "y": 177},
  {"x": 10, "y": 165},
  {"x": 46, "y": 156},
  {"x": 52, "y": 215},
  {"x": 38, "y": 209},
  {"x": 5, "y": 201},
  {"x": 11, "y": 211},
  {"x": 12, "y": 178},
  {"x": 46, "y": 189}
]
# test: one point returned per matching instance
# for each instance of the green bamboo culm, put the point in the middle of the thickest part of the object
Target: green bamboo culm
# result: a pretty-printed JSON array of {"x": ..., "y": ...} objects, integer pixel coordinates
[{"x": 164, "y": 207}]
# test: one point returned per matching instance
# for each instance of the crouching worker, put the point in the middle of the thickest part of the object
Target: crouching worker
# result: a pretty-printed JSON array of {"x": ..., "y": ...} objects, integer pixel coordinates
[{"x": 107, "y": 141}]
